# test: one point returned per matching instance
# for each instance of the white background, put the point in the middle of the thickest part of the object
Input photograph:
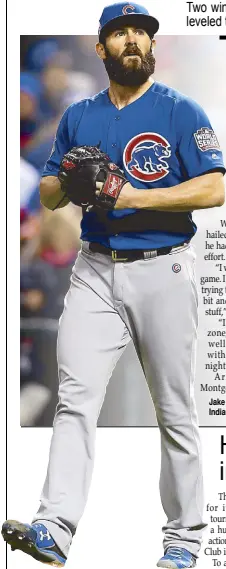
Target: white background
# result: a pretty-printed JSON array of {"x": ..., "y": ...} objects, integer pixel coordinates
[
  {"x": 82, "y": 17},
  {"x": 121, "y": 526}
]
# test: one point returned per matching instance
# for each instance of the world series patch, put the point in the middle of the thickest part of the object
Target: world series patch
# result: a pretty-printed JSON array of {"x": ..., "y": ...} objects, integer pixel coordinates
[{"x": 206, "y": 139}]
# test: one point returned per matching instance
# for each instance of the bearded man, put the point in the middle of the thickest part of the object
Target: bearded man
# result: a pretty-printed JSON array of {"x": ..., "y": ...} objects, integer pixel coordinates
[{"x": 133, "y": 280}]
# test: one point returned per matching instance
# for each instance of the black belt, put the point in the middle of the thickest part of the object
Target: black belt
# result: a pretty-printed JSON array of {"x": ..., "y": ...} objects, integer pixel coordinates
[{"x": 131, "y": 254}]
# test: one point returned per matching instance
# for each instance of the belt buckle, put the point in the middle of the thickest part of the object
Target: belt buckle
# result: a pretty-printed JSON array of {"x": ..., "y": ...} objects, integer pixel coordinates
[{"x": 115, "y": 258}]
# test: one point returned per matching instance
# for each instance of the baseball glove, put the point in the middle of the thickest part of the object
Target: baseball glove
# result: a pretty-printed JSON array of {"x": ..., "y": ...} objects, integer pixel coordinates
[{"x": 81, "y": 168}]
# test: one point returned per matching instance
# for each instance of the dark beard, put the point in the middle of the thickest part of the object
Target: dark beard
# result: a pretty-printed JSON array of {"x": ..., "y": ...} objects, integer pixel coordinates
[{"x": 132, "y": 76}]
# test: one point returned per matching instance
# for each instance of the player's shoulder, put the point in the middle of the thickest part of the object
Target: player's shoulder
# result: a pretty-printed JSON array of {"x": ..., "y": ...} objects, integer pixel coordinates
[
  {"x": 73, "y": 114},
  {"x": 96, "y": 100},
  {"x": 177, "y": 98}
]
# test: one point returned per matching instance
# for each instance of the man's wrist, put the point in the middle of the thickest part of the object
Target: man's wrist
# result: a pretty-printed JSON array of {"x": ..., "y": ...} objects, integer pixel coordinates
[
  {"x": 131, "y": 196},
  {"x": 138, "y": 198}
]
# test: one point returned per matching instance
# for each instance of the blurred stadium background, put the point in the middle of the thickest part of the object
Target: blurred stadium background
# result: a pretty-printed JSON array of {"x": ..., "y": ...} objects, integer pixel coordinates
[{"x": 56, "y": 71}]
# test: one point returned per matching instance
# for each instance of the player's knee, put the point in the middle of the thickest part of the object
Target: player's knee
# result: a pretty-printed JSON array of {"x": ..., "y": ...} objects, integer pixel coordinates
[{"x": 77, "y": 394}]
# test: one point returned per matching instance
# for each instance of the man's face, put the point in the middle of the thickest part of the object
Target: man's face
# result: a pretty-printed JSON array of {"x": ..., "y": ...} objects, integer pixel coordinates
[{"x": 129, "y": 60}]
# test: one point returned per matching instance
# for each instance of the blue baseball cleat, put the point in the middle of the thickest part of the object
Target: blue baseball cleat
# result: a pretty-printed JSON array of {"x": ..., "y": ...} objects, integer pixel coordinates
[
  {"x": 177, "y": 558},
  {"x": 35, "y": 540}
]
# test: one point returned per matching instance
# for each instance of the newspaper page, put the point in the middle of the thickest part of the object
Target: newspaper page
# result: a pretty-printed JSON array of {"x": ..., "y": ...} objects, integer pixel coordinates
[{"x": 122, "y": 524}]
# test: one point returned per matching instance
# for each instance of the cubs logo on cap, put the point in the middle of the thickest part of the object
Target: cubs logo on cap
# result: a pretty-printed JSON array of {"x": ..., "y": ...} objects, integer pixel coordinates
[
  {"x": 125, "y": 14},
  {"x": 128, "y": 9}
]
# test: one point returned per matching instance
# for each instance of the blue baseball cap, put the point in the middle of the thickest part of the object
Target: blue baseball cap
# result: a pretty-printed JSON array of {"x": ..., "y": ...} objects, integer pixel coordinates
[{"x": 124, "y": 14}]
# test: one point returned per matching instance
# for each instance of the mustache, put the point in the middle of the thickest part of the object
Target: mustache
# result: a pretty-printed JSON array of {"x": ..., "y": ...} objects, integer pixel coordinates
[{"x": 132, "y": 51}]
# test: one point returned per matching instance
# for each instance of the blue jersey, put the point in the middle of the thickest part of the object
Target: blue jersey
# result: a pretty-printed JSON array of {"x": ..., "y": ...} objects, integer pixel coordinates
[{"x": 160, "y": 140}]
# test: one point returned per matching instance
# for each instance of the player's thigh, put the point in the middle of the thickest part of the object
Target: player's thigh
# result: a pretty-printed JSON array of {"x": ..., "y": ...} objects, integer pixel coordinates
[
  {"x": 171, "y": 321},
  {"x": 166, "y": 330},
  {"x": 91, "y": 335}
]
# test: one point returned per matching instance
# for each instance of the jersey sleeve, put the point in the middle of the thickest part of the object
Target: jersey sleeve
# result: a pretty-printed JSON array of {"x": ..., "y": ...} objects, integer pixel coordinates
[
  {"x": 198, "y": 149},
  {"x": 61, "y": 145}
]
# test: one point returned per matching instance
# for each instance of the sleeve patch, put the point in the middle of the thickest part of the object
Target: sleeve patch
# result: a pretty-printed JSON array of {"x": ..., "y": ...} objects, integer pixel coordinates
[{"x": 206, "y": 139}]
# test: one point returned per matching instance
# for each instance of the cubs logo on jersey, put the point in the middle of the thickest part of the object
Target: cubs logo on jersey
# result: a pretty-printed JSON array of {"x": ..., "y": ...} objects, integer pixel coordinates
[{"x": 146, "y": 157}]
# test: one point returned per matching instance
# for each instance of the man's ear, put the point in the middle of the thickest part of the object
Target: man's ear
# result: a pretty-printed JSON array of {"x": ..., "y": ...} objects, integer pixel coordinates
[
  {"x": 100, "y": 50},
  {"x": 153, "y": 43}
]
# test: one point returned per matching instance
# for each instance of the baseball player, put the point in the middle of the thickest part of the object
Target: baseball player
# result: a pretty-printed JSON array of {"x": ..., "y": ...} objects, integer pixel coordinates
[{"x": 133, "y": 279}]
